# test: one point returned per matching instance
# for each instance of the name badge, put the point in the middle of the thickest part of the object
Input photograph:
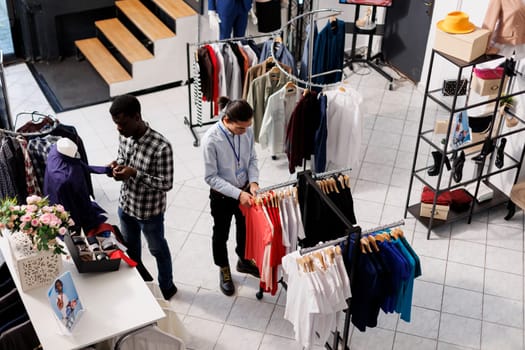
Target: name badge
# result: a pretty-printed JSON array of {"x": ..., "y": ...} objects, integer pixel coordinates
[{"x": 242, "y": 176}]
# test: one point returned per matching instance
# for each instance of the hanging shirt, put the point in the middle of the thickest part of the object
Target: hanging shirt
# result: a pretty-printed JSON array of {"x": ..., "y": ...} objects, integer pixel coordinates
[
  {"x": 329, "y": 52},
  {"x": 221, "y": 74},
  {"x": 278, "y": 112},
  {"x": 281, "y": 53},
  {"x": 255, "y": 72},
  {"x": 230, "y": 161},
  {"x": 258, "y": 234},
  {"x": 303, "y": 70},
  {"x": 261, "y": 89},
  {"x": 320, "y": 136},
  {"x": 344, "y": 128},
  {"x": 232, "y": 73}
]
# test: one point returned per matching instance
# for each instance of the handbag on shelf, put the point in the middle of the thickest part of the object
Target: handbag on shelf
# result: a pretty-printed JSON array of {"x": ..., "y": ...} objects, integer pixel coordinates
[{"x": 449, "y": 87}]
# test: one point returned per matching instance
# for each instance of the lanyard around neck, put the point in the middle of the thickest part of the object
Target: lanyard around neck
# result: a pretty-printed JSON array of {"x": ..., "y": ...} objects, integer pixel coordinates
[{"x": 232, "y": 145}]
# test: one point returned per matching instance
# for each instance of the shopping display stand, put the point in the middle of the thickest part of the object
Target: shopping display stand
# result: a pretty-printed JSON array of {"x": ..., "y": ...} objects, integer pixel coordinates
[
  {"x": 369, "y": 59},
  {"x": 481, "y": 174}
]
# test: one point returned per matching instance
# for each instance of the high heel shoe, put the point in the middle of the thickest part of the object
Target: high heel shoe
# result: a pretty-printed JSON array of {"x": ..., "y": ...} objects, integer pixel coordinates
[
  {"x": 500, "y": 153},
  {"x": 438, "y": 156},
  {"x": 457, "y": 166},
  {"x": 488, "y": 148}
]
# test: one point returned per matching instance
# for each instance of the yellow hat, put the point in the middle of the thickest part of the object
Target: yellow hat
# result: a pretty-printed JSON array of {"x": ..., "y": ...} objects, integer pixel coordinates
[{"x": 456, "y": 22}]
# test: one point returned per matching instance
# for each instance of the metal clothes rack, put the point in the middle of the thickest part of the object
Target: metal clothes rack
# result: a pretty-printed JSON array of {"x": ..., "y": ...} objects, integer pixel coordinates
[
  {"x": 198, "y": 103},
  {"x": 293, "y": 182},
  {"x": 189, "y": 120},
  {"x": 346, "y": 328},
  {"x": 32, "y": 134}
]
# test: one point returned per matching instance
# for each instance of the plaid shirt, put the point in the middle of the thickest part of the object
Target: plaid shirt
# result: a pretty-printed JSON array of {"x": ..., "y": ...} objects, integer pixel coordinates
[{"x": 144, "y": 195}]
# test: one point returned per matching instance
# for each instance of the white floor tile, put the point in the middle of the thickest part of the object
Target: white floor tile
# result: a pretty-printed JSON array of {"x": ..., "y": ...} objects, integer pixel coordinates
[
  {"x": 467, "y": 253},
  {"x": 498, "y": 337},
  {"x": 211, "y": 305},
  {"x": 460, "y": 330},
  {"x": 272, "y": 342},
  {"x": 506, "y": 260},
  {"x": 505, "y": 237},
  {"x": 389, "y": 125},
  {"x": 250, "y": 313},
  {"x": 203, "y": 333},
  {"x": 464, "y": 276},
  {"x": 462, "y": 302},
  {"x": 370, "y": 191},
  {"x": 448, "y": 346},
  {"x": 433, "y": 269},
  {"x": 236, "y": 338},
  {"x": 434, "y": 248},
  {"x": 278, "y": 325},
  {"x": 503, "y": 311},
  {"x": 406, "y": 341},
  {"x": 504, "y": 284},
  {"x": 427, "y": 295},
  {"x": 372, "y": 339},
  {"x": 380, "y": 155},
  {"x": 474, "y": 232},
  {"x": 182, "y": 301},
  {"x": 423, "y": 323}
]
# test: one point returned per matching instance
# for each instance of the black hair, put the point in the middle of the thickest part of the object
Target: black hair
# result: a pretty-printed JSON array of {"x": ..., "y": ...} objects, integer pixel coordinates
[
  {"x": 236, "y": 110},
  {"x": 58, "y": 281},
  {"x": 128, "y": 105}
]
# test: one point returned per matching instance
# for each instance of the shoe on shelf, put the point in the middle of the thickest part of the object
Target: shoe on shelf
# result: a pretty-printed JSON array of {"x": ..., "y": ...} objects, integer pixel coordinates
[
  {"x": 500, "y": 154},
  {"x": 457, "y": 166},
  {"x": 249, "y": 267},
  {"x": 168, "y": 293},
  {"x": 226, "y": 282},
  {"x": 487, "y": 149},
  {"x": 438, "y": 156}
]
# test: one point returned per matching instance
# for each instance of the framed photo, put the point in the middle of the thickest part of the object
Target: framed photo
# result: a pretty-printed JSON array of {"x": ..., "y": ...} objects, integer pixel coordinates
[
  {"x": 367, "y": 2},
  {"x": 65, "y": 302},
  {"x": 461, "y": 133}
]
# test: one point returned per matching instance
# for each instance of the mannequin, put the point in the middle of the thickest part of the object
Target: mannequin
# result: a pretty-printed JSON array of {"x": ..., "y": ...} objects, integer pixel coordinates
[
  {"x": 67, "y": 147},
  {"x": 228, "y": 15}
]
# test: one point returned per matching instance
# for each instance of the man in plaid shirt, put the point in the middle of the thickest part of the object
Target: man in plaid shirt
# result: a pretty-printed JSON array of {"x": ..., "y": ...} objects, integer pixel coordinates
[{"x": 145, "y": 167}]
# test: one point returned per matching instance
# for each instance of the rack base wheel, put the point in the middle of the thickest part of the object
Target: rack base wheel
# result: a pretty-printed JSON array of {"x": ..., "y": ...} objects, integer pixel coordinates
[
  {"x": 511, "y": 207},
  {"x": 390, "y": 86}
]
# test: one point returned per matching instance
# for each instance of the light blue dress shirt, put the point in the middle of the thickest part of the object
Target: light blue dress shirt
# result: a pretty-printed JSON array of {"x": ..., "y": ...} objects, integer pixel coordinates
[{"x": 223, "y": 172}]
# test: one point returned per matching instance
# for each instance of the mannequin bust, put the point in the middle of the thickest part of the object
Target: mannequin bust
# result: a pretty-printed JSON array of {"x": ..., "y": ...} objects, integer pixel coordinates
[{"x": 67, "y": 147}]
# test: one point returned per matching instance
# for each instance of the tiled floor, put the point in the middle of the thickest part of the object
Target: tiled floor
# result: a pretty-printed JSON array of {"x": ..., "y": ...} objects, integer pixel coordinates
[{"x": 470, "y": 295}]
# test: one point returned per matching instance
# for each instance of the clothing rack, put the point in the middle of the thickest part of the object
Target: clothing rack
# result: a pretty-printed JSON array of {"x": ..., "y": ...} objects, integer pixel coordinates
[
  {"x": 32, "y": 134},
  {"x": 342, "y": 239},
  {"x": 293, "y": 182},
  {"x": 191, "y": 80}
]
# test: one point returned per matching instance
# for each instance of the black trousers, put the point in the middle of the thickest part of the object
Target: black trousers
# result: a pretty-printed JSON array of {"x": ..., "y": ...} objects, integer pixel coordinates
[{"x": 223, "y": 208}]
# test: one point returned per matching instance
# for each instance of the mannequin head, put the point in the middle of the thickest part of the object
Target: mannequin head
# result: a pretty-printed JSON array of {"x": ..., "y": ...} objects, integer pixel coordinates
[{"x": 67, "y": 147}]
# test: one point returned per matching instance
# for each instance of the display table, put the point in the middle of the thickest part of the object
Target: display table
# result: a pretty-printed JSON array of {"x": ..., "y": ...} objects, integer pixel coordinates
[{"x": 115, "y": 302}]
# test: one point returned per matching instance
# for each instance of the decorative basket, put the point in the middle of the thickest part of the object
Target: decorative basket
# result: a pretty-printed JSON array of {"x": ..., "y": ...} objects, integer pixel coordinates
[{"x": 35, "y": 268}]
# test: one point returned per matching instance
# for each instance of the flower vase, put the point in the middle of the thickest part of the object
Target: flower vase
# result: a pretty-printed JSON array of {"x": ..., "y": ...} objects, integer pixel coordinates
[{"x": 35, "y": 268}]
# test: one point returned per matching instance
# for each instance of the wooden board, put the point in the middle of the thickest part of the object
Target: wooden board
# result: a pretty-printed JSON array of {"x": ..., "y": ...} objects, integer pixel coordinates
[
  {"x": 102, "y": 60},
  {"x": 175, "y": 8},
  {"x": 146, "y": 21},
  {"x": 127, "y": 44}
]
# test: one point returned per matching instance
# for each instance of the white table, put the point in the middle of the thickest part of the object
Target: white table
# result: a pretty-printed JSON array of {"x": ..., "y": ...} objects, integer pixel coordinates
[{"x": 115, "y": 302}]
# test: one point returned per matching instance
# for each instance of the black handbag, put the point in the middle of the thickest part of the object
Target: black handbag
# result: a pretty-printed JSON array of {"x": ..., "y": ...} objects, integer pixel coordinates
[{"x": 449, "y": 87}]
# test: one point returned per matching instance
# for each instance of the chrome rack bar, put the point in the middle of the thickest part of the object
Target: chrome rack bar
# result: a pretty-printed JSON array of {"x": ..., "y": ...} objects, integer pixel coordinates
[
  {"x": 332, "y": 172},
  {"x": 279, "y": 185},
  {"x": 342, "y": 239}
]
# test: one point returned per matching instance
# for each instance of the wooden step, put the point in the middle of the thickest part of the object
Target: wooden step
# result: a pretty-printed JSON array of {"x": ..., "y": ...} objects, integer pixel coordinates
[
  {"x": 146, "y": 21},
  {"x": 105, "y": 64},
  {"x": 127, "y": 44},
  {"x": 175, "y": 8}
]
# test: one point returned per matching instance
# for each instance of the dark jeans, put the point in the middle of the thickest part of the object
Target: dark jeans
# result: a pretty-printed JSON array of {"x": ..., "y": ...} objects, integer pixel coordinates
[
  {"x": 222, "y": 210},
  {"x": 153, "y": 229}
]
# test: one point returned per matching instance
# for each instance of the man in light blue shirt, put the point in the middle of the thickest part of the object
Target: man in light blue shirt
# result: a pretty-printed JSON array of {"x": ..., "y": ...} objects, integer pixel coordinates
[{"x": 230, "y": 168}]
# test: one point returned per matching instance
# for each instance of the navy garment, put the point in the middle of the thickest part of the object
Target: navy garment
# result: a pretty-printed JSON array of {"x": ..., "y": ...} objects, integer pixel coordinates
[
  {"x": 399, "y": 270},
  {"x": 233, "y": 15},
  {"x": 65, "y": 183},
  {"x": 320, "y": 137},
  {"x": 329, "y": 52},
  {"x": 281, "y": 53}
]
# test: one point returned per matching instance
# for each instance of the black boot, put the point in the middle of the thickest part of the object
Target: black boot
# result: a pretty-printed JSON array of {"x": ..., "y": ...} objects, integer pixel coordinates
[
  {"x": 457, "y": 166},
  {"x": 434, "y": 170},
  {"x": 500, "y": 155},
  {"x": 226, "y": 282},
  {"x": 487, "y": 149}
]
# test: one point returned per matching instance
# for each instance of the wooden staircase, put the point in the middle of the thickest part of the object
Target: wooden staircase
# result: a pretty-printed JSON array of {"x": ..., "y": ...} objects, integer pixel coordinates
[{"x": 137, "y": 50}]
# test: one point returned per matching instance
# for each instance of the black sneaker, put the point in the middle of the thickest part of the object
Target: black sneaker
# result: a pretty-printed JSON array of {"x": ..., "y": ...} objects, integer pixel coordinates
[
  {"x": 248, "y": 266},
  {"x": 226, "y": 282},
  {"x": 168, "y": 293}
]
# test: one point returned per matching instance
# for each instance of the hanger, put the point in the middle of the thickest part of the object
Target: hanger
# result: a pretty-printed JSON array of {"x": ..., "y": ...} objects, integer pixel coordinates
[
  {"x": 334, "y": 185},
  {"x": 373, "y": 242},
  {"x": 290, "y": 87},
  {"x": 275, "y": 70},
  {"x": 330, "y": 253},
  {"x": 306, "y": 92},
  {"x": 320, "y": 257},
  {"x": 365, "y": 245},
  {"x": 341, "y": 88},
  {"x": 278, "y": 39},
  {"x": 338, "y": 250}
]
